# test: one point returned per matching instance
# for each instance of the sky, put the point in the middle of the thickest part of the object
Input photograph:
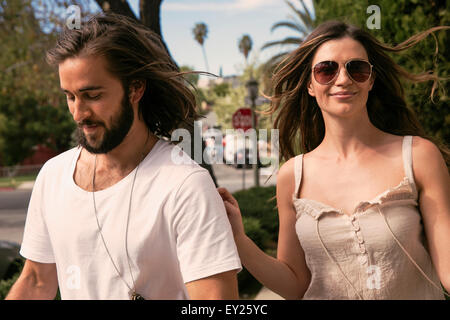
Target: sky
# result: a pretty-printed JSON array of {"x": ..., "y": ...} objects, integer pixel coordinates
[{"x": 227, "y": 21}]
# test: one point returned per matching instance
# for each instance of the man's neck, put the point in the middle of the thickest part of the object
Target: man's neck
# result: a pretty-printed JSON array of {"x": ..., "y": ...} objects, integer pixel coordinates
[
  {"x": 126, "y": 156},
  {"x": 113, "y": 166}
]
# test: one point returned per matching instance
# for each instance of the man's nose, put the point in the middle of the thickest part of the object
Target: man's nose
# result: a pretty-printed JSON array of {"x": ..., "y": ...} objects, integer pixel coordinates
[{"x": 80, "y": 110}]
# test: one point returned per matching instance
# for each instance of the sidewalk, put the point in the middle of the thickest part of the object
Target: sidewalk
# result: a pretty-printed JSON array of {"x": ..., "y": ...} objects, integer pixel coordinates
[{"x": 28, "y": 185}]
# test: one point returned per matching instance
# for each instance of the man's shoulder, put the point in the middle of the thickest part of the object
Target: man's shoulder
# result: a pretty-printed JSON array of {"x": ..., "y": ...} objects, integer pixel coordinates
[
  {"x": 171, "y": 166},
  {"x": 171, "y": 157},
  {"x": 60, "y": 161}
]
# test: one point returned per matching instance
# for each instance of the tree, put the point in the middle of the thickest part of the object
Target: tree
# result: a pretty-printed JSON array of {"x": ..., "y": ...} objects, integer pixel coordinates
[
  {"x": 226, "y": 104},
  {"x": 245, "y": 46},
  {"x": 32, "y": 109},
  {"x": 200, "y": 32},
  {"x": 400, "y": 20},
  {"x": 222, "y": 89},
  {"x": 30, "y": 124},
  {"x": 190, "y": 77},
  {"x": 149, "y": 13},
  {"x": 301, "y": 22},
  {"x": 3, "y": 121},
  {"x": 23, "y": 48}
]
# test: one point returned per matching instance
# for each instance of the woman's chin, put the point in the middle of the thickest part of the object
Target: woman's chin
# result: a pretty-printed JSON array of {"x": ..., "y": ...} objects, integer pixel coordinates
[{"x": 343, "y": 110}]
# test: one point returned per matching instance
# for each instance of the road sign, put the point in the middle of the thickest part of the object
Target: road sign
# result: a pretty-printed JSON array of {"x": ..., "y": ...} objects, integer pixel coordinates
[{"x": 242, "y": 119}]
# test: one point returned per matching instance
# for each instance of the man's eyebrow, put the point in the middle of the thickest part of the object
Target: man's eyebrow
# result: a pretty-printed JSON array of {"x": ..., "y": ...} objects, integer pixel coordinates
[{"x": 88, "y": 88}]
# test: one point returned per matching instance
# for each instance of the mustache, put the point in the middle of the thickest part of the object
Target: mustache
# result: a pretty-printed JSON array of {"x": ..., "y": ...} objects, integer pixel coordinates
[{"x": 88, "y": 122}]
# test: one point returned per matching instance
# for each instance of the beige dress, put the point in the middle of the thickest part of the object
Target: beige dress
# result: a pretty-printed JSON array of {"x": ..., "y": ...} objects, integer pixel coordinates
[{"x": 378, "y": 252}]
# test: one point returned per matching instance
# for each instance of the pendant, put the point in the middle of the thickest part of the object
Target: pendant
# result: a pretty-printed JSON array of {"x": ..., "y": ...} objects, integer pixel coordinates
[{"x": 136, "y": 296}]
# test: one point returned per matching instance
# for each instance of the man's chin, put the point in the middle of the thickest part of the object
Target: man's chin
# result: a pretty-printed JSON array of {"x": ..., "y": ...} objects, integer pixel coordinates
[
  {"x": 98, "y": 147},
  {"x": 93, "y": 149},
  {"x": 90, "y": 145}
]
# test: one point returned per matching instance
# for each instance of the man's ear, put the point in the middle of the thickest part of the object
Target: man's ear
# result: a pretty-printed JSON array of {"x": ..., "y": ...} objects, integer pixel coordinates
[
  {"x": 137, "y": 89},
  {"x": 310, "y": 89}
]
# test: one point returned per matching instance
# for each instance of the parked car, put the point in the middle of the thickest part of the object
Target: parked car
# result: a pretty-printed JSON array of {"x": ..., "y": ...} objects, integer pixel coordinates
[
  {"x": 243, "y": 158},
  {"x": 233, "y": 145}
]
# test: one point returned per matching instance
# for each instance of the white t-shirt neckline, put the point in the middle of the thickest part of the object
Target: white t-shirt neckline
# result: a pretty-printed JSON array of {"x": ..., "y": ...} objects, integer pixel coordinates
[{"x": 117, "y": 185}]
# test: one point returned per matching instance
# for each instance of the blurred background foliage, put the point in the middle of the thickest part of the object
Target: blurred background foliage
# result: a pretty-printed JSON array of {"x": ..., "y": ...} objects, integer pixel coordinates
[{"x": 32, "y": 109}]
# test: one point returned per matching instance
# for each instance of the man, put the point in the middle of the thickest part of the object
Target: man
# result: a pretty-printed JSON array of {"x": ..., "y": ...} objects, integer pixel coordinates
[{"x": 116, "y": 218}]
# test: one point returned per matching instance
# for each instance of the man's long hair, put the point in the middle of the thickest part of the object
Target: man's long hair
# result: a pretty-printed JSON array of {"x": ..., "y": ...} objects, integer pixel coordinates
[
  {"x": 134, "y": 53},
  {"x": 298, "y": 117}
]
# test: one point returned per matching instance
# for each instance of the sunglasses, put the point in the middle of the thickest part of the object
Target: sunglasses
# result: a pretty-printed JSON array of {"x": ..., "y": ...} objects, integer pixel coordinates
[{"x": 326, "y": 71}]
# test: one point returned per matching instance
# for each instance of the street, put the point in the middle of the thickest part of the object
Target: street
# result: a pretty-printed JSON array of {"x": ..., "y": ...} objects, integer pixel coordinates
[
  {"x": 14, "y": 203},
  {"x": 232, "y": 179},
  {"x": 13, "y": 208}
]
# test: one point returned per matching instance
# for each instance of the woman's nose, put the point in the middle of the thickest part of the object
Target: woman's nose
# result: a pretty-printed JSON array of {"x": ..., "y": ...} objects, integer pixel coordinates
[{"x": 342, "y": 77}]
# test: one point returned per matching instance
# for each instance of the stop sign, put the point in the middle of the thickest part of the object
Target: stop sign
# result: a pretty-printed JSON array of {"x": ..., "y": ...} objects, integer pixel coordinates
[{"x": 242, "y": 119}]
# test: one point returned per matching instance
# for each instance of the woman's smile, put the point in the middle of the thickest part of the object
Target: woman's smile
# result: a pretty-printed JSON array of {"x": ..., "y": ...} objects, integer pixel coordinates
[{"x": 343, "y": 95}]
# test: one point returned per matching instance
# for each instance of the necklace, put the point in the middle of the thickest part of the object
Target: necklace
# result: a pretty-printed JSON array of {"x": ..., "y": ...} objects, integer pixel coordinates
[{"x": 134, "y": 295}]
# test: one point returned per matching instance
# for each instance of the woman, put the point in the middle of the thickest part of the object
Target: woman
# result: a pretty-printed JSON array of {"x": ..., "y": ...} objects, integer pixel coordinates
[{"x": 354, "y": 209}]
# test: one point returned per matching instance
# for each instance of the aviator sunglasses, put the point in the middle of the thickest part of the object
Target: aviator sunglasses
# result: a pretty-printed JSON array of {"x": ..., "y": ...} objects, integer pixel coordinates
[{"x": 326, "y": 71}]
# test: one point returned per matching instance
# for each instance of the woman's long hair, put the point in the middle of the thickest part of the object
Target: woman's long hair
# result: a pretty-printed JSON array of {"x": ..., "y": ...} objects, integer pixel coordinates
[{"x": 299, "y": 117}]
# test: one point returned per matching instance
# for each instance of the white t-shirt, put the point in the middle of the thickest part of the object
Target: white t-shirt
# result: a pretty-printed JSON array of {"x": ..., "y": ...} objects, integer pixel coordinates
[{"x": 178, "y": 229}]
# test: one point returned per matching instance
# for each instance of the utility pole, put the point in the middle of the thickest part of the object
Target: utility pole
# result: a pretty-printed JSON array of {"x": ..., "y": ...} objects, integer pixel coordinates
[{"x": 252, "y": 86}]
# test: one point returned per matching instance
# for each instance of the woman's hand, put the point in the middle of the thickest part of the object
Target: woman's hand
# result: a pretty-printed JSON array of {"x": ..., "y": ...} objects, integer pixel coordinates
[{"x": 233, "y": 212}]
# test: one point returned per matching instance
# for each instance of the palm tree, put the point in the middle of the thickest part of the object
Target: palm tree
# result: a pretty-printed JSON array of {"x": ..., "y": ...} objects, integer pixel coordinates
[
  {"x": 302, "y": 22},
  {"x": 200, "y": 34},
  {"x": 245, "y": 46}
]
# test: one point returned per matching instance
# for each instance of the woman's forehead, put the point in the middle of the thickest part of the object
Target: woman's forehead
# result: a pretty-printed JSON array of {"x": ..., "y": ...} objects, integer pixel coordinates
[{"x": 340, "y": 50}]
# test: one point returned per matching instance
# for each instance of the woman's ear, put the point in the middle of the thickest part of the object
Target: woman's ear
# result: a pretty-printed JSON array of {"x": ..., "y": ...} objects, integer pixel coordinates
[
  {"x": 311, "y": 89},
  {"x": 372, "y": 81}
]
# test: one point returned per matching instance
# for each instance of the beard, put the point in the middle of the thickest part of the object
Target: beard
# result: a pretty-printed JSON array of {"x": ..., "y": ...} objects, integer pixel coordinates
[{"x": 112, "y": 137}]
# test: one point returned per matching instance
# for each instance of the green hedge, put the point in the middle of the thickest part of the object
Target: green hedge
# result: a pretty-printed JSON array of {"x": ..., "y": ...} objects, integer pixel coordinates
[
  {"x": 10, "y": 277},
  {"x": 260, "y": 218},
  {"x": 5, "y": 286},
  {"x": 9, "y": 280},
  {"x": 260, "y": 204}
]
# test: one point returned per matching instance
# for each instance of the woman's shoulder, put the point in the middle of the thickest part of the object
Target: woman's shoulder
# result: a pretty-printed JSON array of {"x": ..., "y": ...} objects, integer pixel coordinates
[
  {"x": 286, "y": 174},
  {"x": 424, "y": 150},
  {"x": 423, "y": 145},
  {"x": 427, "y": 160},
  {"x": 287, "y": 169}
]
